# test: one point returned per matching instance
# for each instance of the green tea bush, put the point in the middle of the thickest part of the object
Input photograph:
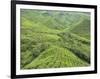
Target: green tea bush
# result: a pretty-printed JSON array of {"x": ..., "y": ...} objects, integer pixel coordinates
[{"x": 54, "y": 39}]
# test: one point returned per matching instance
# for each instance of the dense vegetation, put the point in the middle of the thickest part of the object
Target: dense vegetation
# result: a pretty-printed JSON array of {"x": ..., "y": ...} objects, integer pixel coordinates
[{"x": 54, "y": 39}]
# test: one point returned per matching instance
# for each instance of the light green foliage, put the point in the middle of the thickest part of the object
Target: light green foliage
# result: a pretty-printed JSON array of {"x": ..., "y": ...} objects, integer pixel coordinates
[
  {"x": 60, "y": 57},
  {"x": 54, "y": 39}
]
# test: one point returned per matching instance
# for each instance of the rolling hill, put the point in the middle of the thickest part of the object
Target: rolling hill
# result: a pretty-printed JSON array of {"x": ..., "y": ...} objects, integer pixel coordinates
[{"x": 53, "y": 39}]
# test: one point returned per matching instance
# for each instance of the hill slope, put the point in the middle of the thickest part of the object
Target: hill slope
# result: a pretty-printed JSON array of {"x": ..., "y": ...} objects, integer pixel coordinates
[
  {"x": 56, "y": 57},
  {"x": 51, "y": 39}
]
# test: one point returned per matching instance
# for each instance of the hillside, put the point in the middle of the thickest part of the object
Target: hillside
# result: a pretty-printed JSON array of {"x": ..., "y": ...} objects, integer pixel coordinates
[{"x": 53, "y": 39}]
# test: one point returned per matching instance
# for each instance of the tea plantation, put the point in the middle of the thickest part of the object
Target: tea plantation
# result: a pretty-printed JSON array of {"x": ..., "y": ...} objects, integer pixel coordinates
[{"x": 54, "y": 39}]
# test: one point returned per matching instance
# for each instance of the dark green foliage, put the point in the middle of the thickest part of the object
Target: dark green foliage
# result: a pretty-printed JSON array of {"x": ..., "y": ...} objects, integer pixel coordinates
[
  {"x": 53, "y": 39},
  {"x": 77, "y": 45}
]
